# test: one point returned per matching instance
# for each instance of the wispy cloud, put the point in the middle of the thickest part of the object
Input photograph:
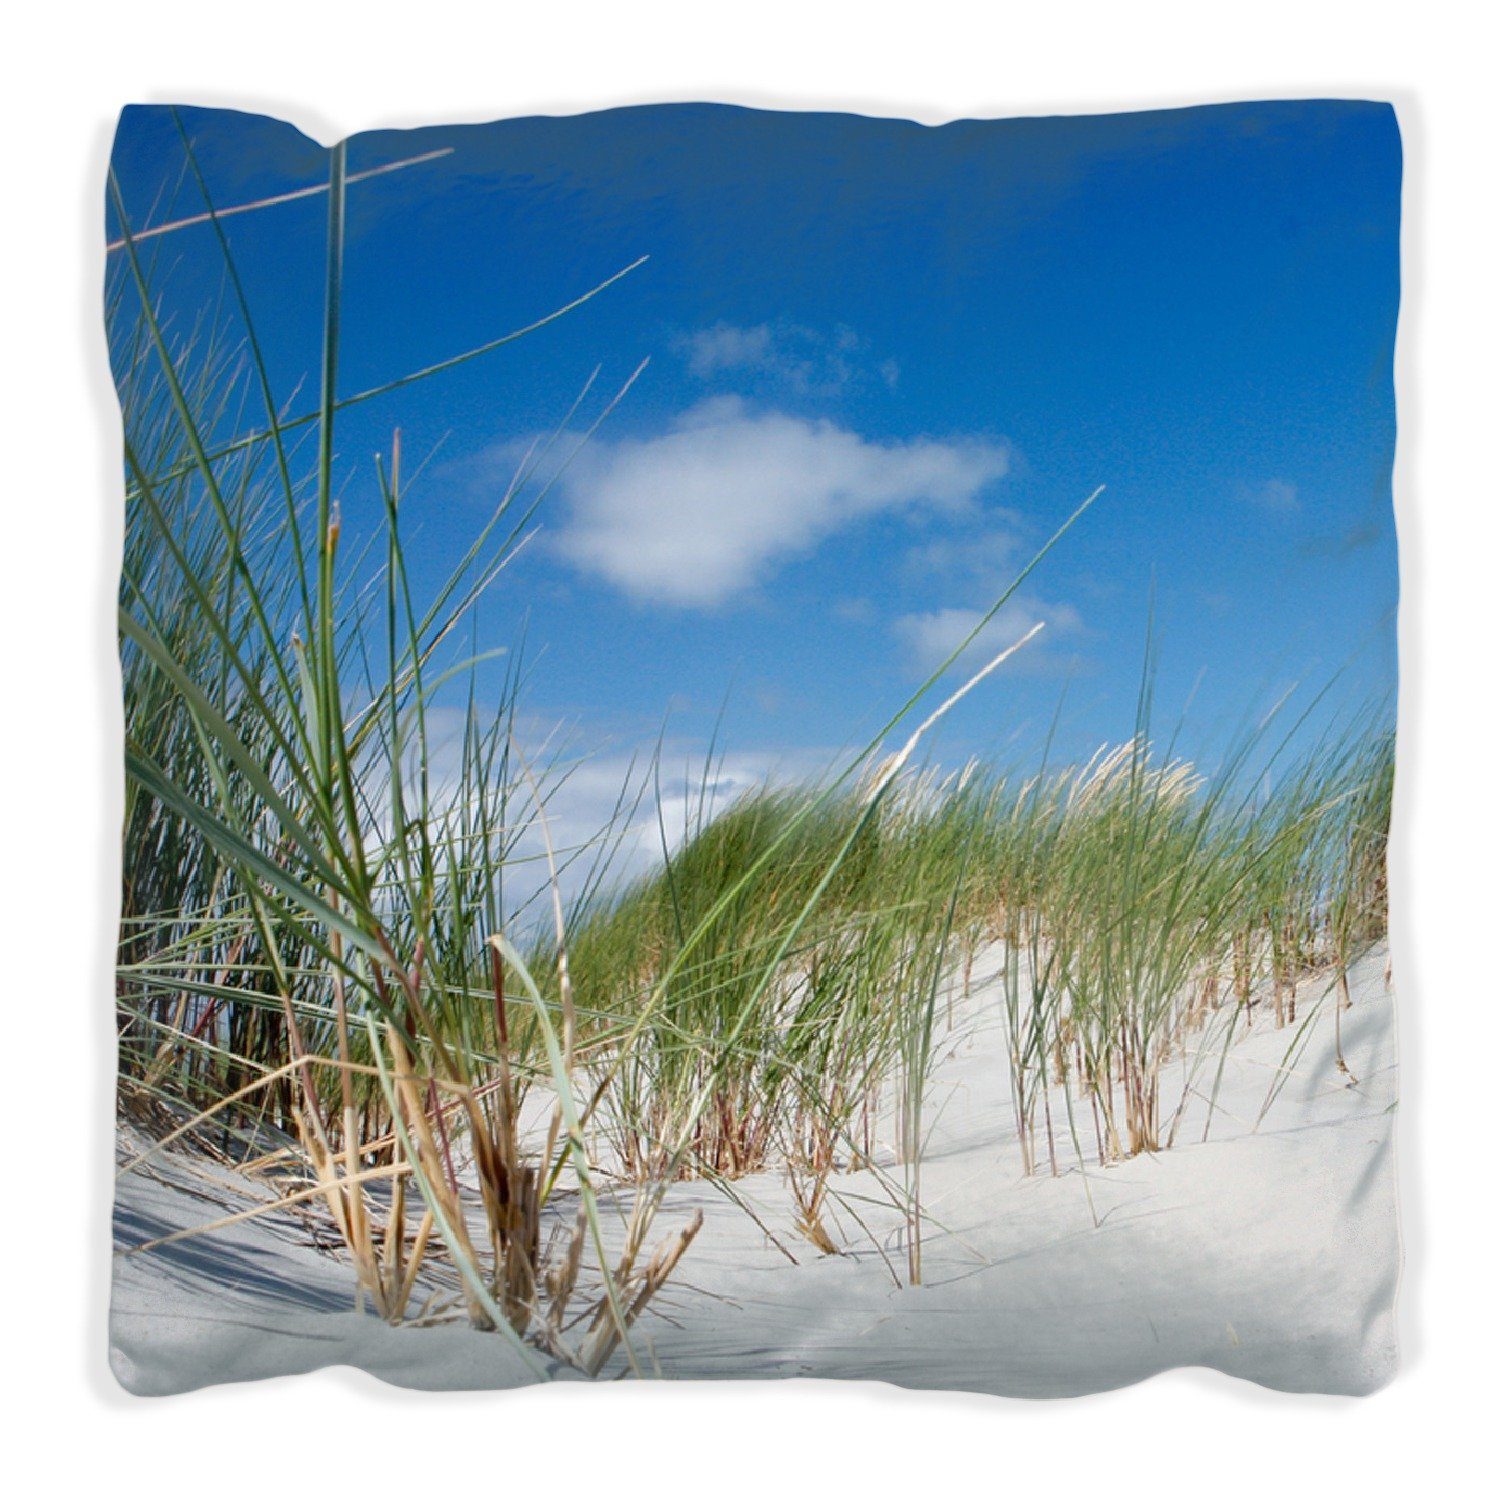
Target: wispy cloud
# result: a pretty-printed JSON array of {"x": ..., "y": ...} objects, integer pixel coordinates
[
  {"x": 976, "y": 562},
  {"x": 931, "y": 636},
  {"x": 613, "y": 813},
  {"x": 1279, "y": 496},
  {"x": 705, "y": 511},
  {"x": 972, "y": 566},
  {"x": 608, "y": 811},
  {"x": 854, "y": 611},
  {"x": 803, "y": 360}
]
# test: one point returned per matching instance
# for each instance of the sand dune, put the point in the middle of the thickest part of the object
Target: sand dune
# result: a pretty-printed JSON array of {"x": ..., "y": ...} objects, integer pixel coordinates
[{"x": 1267, "y": 1252}]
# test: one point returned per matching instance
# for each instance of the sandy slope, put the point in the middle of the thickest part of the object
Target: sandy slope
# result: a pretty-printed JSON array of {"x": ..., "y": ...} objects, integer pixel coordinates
[{"x": 1269, "y": 1253}]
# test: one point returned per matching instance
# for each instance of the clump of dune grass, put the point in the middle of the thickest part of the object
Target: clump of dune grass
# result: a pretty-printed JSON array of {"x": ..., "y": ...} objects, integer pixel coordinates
[
  {"x": 313, "y": 932},
  {"x": 1143, "y": 910}
]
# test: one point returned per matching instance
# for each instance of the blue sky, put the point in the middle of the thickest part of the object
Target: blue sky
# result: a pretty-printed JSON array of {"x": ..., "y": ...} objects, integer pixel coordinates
[{"x": 886, "y": 360}]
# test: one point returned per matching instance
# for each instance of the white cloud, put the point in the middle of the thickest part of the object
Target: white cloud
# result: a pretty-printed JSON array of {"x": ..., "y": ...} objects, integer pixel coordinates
[
  {"x": 802, "y": 359},
  {"x": 932, "y": 636},
  {"x": 704, "y": 511}
]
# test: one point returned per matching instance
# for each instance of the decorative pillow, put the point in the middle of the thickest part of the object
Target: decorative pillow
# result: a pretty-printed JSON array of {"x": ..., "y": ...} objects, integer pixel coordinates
[{"x": 757, "y": 745}]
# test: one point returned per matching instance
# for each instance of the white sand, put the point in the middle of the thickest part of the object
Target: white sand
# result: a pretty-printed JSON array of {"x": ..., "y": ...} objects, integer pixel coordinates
[{"x": 1269, "y": 1254}]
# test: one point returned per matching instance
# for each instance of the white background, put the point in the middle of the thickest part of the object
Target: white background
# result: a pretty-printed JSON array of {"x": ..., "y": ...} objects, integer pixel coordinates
[{"x": 338, "y": 69}]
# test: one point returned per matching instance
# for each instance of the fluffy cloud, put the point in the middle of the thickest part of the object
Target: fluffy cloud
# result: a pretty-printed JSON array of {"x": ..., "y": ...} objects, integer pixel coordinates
[{"x": 704, "y": 511}]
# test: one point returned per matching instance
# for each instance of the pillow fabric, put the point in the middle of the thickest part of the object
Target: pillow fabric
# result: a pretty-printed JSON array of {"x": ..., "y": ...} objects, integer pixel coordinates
[{"x": 757, "y": 744}]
